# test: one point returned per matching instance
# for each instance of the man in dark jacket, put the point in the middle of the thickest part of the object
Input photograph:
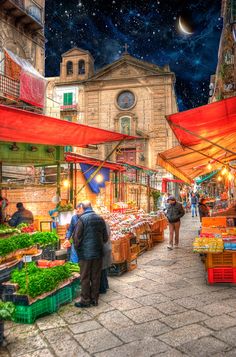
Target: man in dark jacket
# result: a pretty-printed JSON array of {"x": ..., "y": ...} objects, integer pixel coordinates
[
  {"x": 89, "y": 236},
  {"x": 22, "y": 215},
  {"x": 173, "y": 213}
]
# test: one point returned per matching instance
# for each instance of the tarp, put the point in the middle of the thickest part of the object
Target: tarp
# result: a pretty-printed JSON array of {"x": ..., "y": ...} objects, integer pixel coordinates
[
  {"x": 77, "y": 158},
  {"x": 88, "y": 170},
  {"x": 23, "y": 126},
  {"x": 213, "y": 139},
  {"x": 32, "y": 83},
  {"x": 207, "y": 177}
]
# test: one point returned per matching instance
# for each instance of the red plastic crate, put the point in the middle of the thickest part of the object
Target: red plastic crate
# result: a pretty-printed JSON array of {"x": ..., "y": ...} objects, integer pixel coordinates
[{"x": 222, "y": 275}]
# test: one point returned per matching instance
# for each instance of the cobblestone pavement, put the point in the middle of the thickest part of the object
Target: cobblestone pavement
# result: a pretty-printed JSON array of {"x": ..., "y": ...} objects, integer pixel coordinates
[{"x": 162, "y": 308}]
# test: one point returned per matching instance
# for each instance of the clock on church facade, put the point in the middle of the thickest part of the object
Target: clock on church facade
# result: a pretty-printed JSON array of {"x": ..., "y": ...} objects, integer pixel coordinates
[{"x": 126, "y": 100}]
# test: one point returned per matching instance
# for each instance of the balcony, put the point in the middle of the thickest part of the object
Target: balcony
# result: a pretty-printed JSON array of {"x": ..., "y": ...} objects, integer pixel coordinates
[
  {"x": 71, "y": 107},
  {"x": 9, "y": 88},
  {"x": 29, "y": 16}
]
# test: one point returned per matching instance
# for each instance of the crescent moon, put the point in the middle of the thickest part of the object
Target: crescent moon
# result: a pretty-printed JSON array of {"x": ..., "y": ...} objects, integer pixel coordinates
[{"x": 183, "y": 28}]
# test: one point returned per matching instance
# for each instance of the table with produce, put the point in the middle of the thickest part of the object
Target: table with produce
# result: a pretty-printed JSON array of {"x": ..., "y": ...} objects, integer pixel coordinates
[
  {"x": 131, "y": 235},
  {"x": 31, "y": 286},
  {"x": 216, "y": 244}
]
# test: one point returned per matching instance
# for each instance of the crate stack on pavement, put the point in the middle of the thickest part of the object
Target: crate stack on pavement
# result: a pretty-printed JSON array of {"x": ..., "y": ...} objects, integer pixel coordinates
[{"x": 217, "y": 242}]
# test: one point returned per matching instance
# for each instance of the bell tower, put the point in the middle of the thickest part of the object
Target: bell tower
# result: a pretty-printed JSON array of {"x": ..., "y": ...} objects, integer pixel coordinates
[{"x": 76, "y": 65}]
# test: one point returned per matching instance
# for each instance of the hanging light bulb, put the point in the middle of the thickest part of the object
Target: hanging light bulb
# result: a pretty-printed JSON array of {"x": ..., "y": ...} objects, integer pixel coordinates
[
  {"x": 219, "y": 178},
  {"x": 230, "y": 176},
  {"x": 66, "y": 183},
  {"x": 209, "y": 166},
  {"x": 99, "y": 178},
  {"x": 224, "y": 171}
]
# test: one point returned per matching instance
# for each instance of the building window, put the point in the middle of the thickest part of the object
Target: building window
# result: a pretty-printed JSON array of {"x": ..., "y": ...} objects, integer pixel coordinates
[
  {"x": 68, "y": 99},
  {"x": 125, "y": 125},
  {"x": 68, "y": 117},
  {"x": 69, "y": 68},
  {"x": 81, "y": 67}
]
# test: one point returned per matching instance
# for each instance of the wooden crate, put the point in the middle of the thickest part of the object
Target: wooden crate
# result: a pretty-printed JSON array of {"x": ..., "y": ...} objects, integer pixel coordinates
[
  {"x": 157, "y": 237},
  {"x": 214, "y": 221}
]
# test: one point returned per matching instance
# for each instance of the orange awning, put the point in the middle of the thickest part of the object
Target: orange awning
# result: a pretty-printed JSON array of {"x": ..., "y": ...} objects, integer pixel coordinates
[{"x": 206, "y": 134}]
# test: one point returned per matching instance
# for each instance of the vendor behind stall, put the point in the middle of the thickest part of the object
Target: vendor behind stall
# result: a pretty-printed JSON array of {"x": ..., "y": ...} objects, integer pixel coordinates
[{"x": 22, "y": 215}]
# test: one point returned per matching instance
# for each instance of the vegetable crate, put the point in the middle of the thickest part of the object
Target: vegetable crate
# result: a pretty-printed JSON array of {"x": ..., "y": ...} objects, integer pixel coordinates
[
  {"x": 157, "y": 237},
  {"x": 217, "y": 260},
  {"x": 48, "y": 305},
  {"x": 222, "y": 275},
  {"x": 118, "y": 269},
  {"x": 214, "y": 221}
]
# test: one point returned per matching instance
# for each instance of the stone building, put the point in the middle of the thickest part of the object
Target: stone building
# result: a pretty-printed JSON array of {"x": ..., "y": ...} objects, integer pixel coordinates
[
  {"x": 223, "y": 83},
  {"x": 21, "y": 32},
  {"x": 128, "y": 95}
]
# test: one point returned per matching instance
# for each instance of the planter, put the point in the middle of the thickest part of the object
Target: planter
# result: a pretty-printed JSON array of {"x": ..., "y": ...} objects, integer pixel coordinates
[{"x": 65, "y": 217}]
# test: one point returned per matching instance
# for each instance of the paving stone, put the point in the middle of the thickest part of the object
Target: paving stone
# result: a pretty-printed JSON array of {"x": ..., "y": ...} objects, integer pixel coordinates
[
  {"x": 215, "y": 309},
  {"x": 206, "y": 346},
  {"x": 170, "y": 308},
  {"x": 125, "y": 304},
  {"x": 220, "y": 322},
  {"x": 184, "y": 292},
  {"x": 170, "y": 353},
  {"x": 152, "y": 299},
  {"x": 184, "y": 334},
  {"x": 51, "y": 321},
  {"x": 4, "y": 352},
  {"x": 20, "y": 347},
  {"x": 180, "y": 284},
  {"x": 141, "y": 331},
  {"x": 230, "y": 302},
  {"x": 185, "y": 318},
  {"x": 97, "y": 340},
  {"x": 143, "y": 314},
  {"x": 40, "y": 353},
  {"x": 114, "y": 319},
  {"x": 227, "y": 336},
  {"x": 133, "y": 292},
  {"x": 84, "y": 326},
  {"x": 110, "y": 296},
  {"x": 63, "y": 344},
  {"x": 17, "y": 332},
  {"x": 97, "y": 310},
  {"x": 145, "y": 348},
  {"x": 233, "y": 314},
  {"x": 231, "y": 353}
]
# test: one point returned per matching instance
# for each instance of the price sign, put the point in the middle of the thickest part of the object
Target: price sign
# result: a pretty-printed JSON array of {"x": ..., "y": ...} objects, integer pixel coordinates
[{"x": 27, "y": 258}]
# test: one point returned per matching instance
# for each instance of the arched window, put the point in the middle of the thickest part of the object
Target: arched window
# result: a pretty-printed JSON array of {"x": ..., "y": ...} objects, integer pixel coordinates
[
  {"x": 81, "y": 67},
  {"x": 125, "y": 125},
  {"x": 69, "y": 68}
]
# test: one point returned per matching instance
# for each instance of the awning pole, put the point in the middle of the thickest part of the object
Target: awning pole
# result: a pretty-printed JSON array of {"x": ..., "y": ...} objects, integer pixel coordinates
[
  {"x": 199, "y": 136},
  {"x": 99, "y": 167}
]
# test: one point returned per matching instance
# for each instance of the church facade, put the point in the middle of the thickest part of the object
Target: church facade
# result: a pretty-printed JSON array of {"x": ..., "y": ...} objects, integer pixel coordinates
[{"x": 128, "y": 96}]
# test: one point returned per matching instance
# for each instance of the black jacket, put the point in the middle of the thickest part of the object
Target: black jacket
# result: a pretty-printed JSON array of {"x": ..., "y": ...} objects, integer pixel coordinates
[
  {"x": 89, "y": 235},
  {"x": 21, "y": 216},
  {"x": 174, "y": 212}
]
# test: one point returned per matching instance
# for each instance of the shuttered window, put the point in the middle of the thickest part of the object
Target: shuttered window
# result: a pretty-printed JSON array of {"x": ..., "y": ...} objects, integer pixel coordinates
[{"x": 68, "y": 99}]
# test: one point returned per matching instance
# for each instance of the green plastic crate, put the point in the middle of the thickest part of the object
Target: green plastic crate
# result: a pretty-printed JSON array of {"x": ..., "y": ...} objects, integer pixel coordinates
[{"x": 28, "y": 314}]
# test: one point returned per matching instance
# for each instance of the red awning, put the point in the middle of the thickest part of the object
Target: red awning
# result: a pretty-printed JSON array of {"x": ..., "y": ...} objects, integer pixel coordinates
[
  {"x": 22, "y": 126},
  {"x": 207, "y": 135},
  {"x": 212, "y": 122},
  {"x": 81, "y": 159}
]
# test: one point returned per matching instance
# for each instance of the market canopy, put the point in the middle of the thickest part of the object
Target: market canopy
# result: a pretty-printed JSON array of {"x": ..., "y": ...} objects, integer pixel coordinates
[
  {"x": 17, "y": 125},
  {"x": 206, "y": 134},
  {"x": 82, "y": 159}
]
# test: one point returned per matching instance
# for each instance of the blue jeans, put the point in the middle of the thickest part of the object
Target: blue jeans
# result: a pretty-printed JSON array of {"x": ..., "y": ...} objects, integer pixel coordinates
[
  {"x": 73, "y": 254},
  {"x": 194, "y": 209}
]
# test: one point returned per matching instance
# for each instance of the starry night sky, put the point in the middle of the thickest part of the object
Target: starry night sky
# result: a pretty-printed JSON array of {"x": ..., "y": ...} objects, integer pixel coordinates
[{"x": 150, "y": 28}]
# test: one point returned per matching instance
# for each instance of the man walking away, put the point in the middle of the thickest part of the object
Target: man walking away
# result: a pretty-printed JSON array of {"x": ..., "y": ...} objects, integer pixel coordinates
[
  {"x": 174, "y": 212},
  {"x": 89, "y": 236},
  {"x": 194, "y": 201},
  {"x": 22, "y": 215}
]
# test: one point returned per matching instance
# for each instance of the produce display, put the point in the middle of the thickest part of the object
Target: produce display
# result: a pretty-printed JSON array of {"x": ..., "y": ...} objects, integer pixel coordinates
[
  {"x": 26, "y": 240},
  {"x": 208, "y": 244},
  {"x": 26, "y": 228},
  {"x": 6, "y": 310},
  {"x": 7, "y": 230},
  {"x": 34, "y": 281},
  {"x": 65, "y": 207}
]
